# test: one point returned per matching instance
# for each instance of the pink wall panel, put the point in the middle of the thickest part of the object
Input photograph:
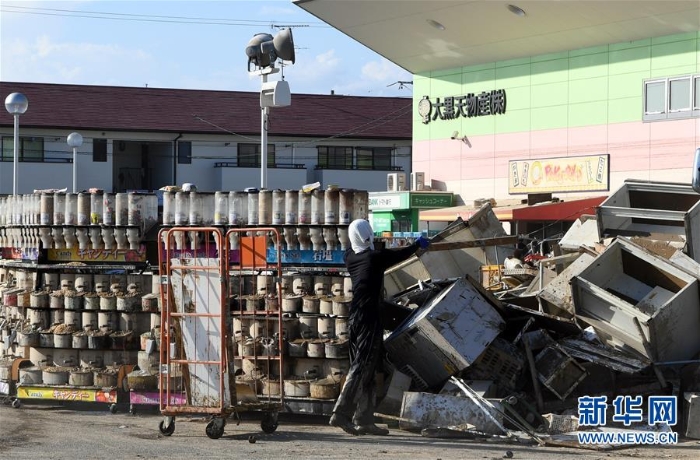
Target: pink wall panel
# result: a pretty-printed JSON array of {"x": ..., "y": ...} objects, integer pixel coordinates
[
  {"x": 636, "y": 150},
  {"x": 480, "y": 167},
  {"x": 672, "y": 154},
  {"x": 445, "y": 170},
  {"x": 548, "y": 143},
  {"x": 586, "y": 140}
]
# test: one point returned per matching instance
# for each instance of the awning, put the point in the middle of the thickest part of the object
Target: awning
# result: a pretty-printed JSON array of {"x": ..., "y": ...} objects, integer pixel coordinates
[
  {"x": 503, "y": 213},
  {"x": 562, "y": 210}
]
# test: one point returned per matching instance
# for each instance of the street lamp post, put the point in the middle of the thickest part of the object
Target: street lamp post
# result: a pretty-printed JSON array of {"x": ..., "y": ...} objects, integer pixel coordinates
[
  {"x": 16, "y": 104},
  {"x": 75, "y": 140}
]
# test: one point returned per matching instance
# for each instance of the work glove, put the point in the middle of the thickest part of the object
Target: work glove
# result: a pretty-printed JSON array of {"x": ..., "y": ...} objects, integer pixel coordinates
[{"x": 423, "y": 242}]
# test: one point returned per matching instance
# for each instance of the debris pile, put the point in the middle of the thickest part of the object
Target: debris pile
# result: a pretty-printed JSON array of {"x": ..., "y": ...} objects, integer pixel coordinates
[{"x": 599, "y": 334}]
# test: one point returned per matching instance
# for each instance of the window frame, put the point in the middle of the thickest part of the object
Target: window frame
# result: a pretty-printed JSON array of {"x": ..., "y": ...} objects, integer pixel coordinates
[
  {"x": 184, "y": 158},
  {"x": 694, "y": 107},
  {"x": 680, "y": 113},
  {"x": 374, "y": 152},
  {"x": 99, "y": 157},
  {"x": 23, "y": 140},
  {"x": 271, "y": 155},
  {"x": 695, "y": 95},
  {"x": 348, "y": 157},
  {"x": 648, "y": 116}
]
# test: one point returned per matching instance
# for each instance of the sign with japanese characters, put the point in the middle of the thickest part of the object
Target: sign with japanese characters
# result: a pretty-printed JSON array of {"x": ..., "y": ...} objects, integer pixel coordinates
[
  {"x": 307, "y": 256},
  {"x": 75, "y": 254},
  {"x": 67, "y": 394},
  {"x": 561, "y": 174},
  {"x": 466, "y": 106},
  {"x": 430, "y": 200}
]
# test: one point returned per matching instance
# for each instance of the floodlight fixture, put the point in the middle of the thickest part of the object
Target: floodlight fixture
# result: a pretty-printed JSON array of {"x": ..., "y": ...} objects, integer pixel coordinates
[{"x": 264, "y": 49}]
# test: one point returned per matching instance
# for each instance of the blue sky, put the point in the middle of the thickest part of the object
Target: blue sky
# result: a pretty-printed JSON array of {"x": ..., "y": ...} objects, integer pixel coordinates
[{"x": 181, "y": 44}]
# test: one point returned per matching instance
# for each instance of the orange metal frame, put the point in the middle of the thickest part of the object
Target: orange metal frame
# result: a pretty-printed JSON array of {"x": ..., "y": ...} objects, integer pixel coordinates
[
  {"x": 212, "y": 236},
  {"x": 253, "y": 258}
]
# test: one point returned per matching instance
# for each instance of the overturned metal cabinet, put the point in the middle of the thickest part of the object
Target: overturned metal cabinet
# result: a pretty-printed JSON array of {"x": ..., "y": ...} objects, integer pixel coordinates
[
  {"x": 658, "y": 210},
  {"x": 557, "y": 293},
  {"x": 454, "y": 263},
  {"x": 628, "y": 291},
  {"x": 445, "y": 336}
]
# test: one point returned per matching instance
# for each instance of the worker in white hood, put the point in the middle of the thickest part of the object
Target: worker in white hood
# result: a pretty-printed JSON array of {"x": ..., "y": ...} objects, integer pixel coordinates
[{"x": 354, "y": 410}]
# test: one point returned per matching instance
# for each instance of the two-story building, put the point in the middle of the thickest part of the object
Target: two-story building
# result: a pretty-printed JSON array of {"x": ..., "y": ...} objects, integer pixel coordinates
[{"x": 145, "y": 138}]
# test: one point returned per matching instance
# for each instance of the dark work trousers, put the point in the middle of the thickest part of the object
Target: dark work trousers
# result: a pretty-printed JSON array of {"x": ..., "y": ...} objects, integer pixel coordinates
[{"x": 357, "y": 398}]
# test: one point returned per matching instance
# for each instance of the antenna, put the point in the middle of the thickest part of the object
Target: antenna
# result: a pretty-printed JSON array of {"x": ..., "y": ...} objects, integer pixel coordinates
[{"x": 402, "y": 84}]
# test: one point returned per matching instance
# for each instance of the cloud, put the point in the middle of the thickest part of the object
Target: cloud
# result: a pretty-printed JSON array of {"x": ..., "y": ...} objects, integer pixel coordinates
[
  {"x": 45, "y": 60},
  {"x": 382, "y": 71},
  {"x": 323, "y": 66}
]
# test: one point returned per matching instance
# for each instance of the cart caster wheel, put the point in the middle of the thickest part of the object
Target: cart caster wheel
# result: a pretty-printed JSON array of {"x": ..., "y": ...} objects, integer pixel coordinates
[
  {"x": 269, "y": 423},
  {"x": 113, "y": 409},
  {"x": 16, "y": 403},
  {"x": 167, "y": 430},
  {"x": 215, "y": 428}
]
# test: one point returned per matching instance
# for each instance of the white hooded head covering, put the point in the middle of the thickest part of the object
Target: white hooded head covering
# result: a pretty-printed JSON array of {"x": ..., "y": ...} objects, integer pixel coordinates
[{"x": 361, "y": 235}]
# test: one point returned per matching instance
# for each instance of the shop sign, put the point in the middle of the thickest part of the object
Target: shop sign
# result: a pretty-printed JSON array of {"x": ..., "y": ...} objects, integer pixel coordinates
[
  {"x": 467, "y": 106},
  {"x": 562, "y": 174},
  {"x": 67, "y": 394},
  {"x": 75, "y": 254},
  {"x": 152, "y": 398},
  {"x": 430, "y": 200},
  {"x": 385, "y": 202},
  {"x": 20, "y": 253},
  {"x": 307, "y": 256}
]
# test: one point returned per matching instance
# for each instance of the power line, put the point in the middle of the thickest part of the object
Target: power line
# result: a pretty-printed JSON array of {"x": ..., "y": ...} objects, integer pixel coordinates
[{"x": 147, "y": 17}]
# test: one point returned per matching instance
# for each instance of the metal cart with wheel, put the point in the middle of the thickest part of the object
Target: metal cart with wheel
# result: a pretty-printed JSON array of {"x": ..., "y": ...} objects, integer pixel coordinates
[
  {"x": 263, "y": 353},
  {"x": 194, "y": 353}
]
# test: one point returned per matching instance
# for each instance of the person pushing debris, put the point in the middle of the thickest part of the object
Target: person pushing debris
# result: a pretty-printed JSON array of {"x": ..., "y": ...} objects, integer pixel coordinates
[{"x": 354, "y": 409}]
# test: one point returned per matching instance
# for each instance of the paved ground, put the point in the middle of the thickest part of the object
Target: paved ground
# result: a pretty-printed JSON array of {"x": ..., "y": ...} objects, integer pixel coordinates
[{"x": 56, "y": 433}]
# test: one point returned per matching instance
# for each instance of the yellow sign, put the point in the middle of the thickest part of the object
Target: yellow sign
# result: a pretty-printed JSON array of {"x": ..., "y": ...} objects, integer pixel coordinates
[
  {"x": 562, "y": 174},
  {"x": 96, "y": 255},
  {"x": 67, "y": 394}
]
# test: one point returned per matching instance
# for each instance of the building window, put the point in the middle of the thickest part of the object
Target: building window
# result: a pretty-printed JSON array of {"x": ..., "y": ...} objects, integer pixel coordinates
[
  {"x": 249, "y": 155},
  {"x": 673, "y": 97},
  {"x": 373, "y": 158},
  {"x": 30, "y": 149},
  {"x": 99, "y": 150},
  {"x": 184, "y": 152},
  {"x": 679, "y": 94},
  {"x": 334, "y": 157}
]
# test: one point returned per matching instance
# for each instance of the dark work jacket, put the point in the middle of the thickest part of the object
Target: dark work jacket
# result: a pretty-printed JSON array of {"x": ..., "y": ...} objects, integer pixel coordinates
[{"x": 367, "y": 273}]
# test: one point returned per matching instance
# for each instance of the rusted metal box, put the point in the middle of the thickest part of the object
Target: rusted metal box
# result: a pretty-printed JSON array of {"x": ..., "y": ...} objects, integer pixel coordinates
[
  {"x": 663, "y": 211},
  {"x": 444, "y": 336},
  {"x": 428, "y": 410},
  {"x": 558, "y": 371},
  {"x": 455, "y": 263},
  {"x": 627, "y": 284}
]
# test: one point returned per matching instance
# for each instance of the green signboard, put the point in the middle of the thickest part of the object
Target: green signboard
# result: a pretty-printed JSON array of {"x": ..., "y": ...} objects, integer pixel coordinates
[{"x": 430, "y": 200}]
